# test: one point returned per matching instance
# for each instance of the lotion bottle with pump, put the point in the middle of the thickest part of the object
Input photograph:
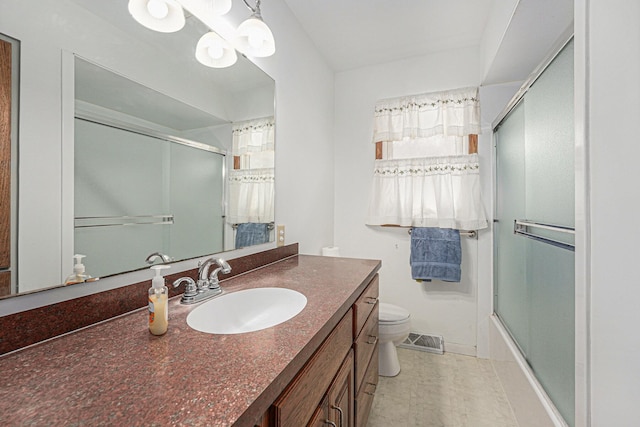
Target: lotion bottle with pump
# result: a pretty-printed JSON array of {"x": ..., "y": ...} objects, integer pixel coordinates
[
  {"x": 158, "y": 303},
  {"x": 78, "y": 275}
]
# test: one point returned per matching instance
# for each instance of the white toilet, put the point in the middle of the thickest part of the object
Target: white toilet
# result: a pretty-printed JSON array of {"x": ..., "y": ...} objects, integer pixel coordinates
[{"x": 394, "y": 325}]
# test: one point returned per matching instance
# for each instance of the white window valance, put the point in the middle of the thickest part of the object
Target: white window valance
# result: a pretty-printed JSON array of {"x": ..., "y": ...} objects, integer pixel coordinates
[
  {"x": 428, "y": 192},
  {"x": 449, "y": 113},
  {"x": 251, "y": 196},
  {"x": 253, "y": 136}
]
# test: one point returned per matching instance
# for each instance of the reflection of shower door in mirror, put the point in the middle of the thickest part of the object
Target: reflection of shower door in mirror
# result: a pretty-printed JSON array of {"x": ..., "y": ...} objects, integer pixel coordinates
[
  {"x": 136, "y": 194},
  {"x": 534, "y": 280}
]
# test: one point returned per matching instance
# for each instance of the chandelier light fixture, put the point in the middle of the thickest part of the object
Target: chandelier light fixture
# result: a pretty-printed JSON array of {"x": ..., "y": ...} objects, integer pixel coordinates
[
  {"x": 214, "y": 51},
  {"x": 165, "y": 16},
  {"x": 219, "y": 7},
  {"x": 252, "y": 37}
]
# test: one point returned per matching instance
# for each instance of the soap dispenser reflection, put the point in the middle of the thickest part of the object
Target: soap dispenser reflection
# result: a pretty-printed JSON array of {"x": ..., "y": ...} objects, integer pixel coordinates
[
  {"x": 158, "y": 303},
  {"x": 79, "y": 275}
]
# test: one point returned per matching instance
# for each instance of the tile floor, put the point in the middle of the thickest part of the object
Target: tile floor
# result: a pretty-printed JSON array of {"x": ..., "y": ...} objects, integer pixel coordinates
[{"x": 447, "y": 390}]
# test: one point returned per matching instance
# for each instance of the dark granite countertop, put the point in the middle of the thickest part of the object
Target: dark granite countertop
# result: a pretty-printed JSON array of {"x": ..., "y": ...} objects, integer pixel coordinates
[{"x": 117, "y": 373}]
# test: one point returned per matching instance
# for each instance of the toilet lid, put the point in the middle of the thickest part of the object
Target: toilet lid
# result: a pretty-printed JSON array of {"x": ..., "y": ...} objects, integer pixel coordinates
[{"x": 392, "y": 313}]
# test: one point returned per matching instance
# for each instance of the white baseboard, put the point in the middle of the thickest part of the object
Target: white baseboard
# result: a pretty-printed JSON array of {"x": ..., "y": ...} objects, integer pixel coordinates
[
  {"x": 466, "y": 350},
  {"x": 530, "y": 403}
]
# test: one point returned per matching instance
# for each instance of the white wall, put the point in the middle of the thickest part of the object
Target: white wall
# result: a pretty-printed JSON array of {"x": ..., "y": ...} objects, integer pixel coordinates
[
  {"x": 494, "y": 32},
  {"x": 611, "y": 64},
  {"x": 447, "y": 309}
]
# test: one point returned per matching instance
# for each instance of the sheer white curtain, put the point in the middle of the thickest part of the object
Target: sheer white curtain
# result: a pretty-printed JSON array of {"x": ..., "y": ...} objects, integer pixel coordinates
[
  {"x": 449, "y": 113},
  {"x": 251, "y": 196},
  {"x": 251, "y": 188},
  {"x": 428, "y": 192},
  {"x": 426, "y": 178},
  {"x": 253, "y": 142}
]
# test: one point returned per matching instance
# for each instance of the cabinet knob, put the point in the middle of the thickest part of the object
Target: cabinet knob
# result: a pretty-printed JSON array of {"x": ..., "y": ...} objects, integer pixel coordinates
[
  {"x": 375, "y": 339},
  {"x": 331, "y": 423},
  {"x": 371, "y": 300}
]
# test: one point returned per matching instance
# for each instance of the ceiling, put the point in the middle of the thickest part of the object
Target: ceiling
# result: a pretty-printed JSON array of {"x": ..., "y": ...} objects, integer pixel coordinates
[
  {"x": 356, "y": 33},
  {"x": 99, "y": 86}
]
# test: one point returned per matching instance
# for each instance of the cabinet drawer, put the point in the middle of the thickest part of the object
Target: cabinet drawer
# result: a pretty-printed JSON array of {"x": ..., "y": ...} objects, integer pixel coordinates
[
  {"x": 298, "y": 402},
  {"x": 364, "y": 306},
  {"x": 364, "y": 398},
  {"x": 365, "y": 345}
]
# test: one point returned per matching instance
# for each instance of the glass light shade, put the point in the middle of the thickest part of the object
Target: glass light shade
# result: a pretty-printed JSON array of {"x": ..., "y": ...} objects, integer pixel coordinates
[
  {"x": 165, "y": 16},
  {"x": 215, "y": 52},
  {"x": 254, "y": 38},
  {"x": 220, "y": 7}
]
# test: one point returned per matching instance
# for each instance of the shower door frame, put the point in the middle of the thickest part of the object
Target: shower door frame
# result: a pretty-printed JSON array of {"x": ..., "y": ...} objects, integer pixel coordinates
[{"x": 582, "y": 342}]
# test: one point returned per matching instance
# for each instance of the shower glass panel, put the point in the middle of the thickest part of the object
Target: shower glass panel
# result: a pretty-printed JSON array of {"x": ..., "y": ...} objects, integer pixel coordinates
[
  {"x": 116, "y": 175},
  {"x": 197, "y": 201},
  {"x": 136, "y": 194},
  {"x": 535, "y": 181}
]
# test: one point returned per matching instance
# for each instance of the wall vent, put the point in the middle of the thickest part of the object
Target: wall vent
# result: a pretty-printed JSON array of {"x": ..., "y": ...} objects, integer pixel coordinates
[{"x": 424, "y": 342}]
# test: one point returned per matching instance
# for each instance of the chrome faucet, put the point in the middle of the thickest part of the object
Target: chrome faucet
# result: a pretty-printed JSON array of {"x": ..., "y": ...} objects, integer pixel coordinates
[
  {"x": 208, "y": 285},
  {"x": 152, "y": 258},
  {"x": 224, "y": 268},
  {"x": 190, "y": 291},
  {"x": 210, "y": 281}
]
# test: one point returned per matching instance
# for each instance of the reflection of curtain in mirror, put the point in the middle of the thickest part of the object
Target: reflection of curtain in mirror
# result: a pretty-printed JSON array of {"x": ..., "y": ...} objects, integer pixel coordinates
[
  {"x": 251, "y": 138},
  {"x": 251, "y": 195},
  {"x": 251, "y": 182}
]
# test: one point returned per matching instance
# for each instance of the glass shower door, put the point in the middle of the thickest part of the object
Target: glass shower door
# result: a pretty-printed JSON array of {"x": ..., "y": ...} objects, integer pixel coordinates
[{"x": 534, "y": 278}]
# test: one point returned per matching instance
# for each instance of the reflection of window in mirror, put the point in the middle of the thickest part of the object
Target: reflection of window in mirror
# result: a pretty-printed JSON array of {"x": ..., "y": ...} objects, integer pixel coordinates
[
  {"x": 251, "y": 182},
  {"x": 8, "y": 107}
]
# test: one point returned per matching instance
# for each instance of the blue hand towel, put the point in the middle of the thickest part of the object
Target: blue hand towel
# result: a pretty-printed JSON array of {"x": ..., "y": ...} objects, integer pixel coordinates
[
  {"x": 251, "y": 233},
  {"x": 435, "y": 254}
]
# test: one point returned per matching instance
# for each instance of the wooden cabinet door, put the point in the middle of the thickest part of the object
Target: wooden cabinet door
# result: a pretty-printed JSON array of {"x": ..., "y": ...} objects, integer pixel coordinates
[
  {"x": 5, "y": 166},
  {"x": 298, "y": 403},
  {"x": 321, "y": 415},
  {"x": 341, "y": 395},
  {"x": 264, "y": 421}
]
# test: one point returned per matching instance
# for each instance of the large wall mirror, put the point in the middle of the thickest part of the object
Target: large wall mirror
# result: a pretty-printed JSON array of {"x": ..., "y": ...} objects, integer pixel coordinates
[{"x": 124, "y": 145}]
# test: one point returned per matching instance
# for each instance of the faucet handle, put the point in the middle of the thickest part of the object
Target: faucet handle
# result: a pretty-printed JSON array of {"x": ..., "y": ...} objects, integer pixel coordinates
[
  {"x": 191, "y": 289},
  {"x": 214, "y": 282}
]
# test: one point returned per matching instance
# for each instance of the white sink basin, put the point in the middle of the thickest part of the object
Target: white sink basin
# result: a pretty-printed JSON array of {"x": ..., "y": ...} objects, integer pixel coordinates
[{"x": 247, "y": 311}]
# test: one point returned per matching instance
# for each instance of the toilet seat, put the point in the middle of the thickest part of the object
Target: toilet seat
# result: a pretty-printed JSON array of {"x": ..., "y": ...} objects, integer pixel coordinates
[{"x": 390, "y": 314}]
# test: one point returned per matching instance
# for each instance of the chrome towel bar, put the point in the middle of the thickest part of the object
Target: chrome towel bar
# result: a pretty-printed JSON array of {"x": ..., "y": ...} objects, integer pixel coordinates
[
  {"x": 112, "y": 221},
  {"x": 270, "y": 226},
  {"x": 521, "y": 227},
  {"x": 472, "y": 234}
]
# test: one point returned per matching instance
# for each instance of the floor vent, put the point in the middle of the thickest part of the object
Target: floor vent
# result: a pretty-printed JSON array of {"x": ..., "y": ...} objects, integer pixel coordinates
[{"x": 423, "y": 342}]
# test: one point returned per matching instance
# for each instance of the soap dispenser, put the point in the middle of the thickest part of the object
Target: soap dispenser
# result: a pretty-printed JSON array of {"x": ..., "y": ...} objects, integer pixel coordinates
[
  {"x": 78, "y": 275},
  {"x": 158, "y": 303}
]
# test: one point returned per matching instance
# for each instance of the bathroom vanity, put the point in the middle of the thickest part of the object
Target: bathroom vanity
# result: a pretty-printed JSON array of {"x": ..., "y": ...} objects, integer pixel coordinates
[{"x": 317, "y": 368}]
